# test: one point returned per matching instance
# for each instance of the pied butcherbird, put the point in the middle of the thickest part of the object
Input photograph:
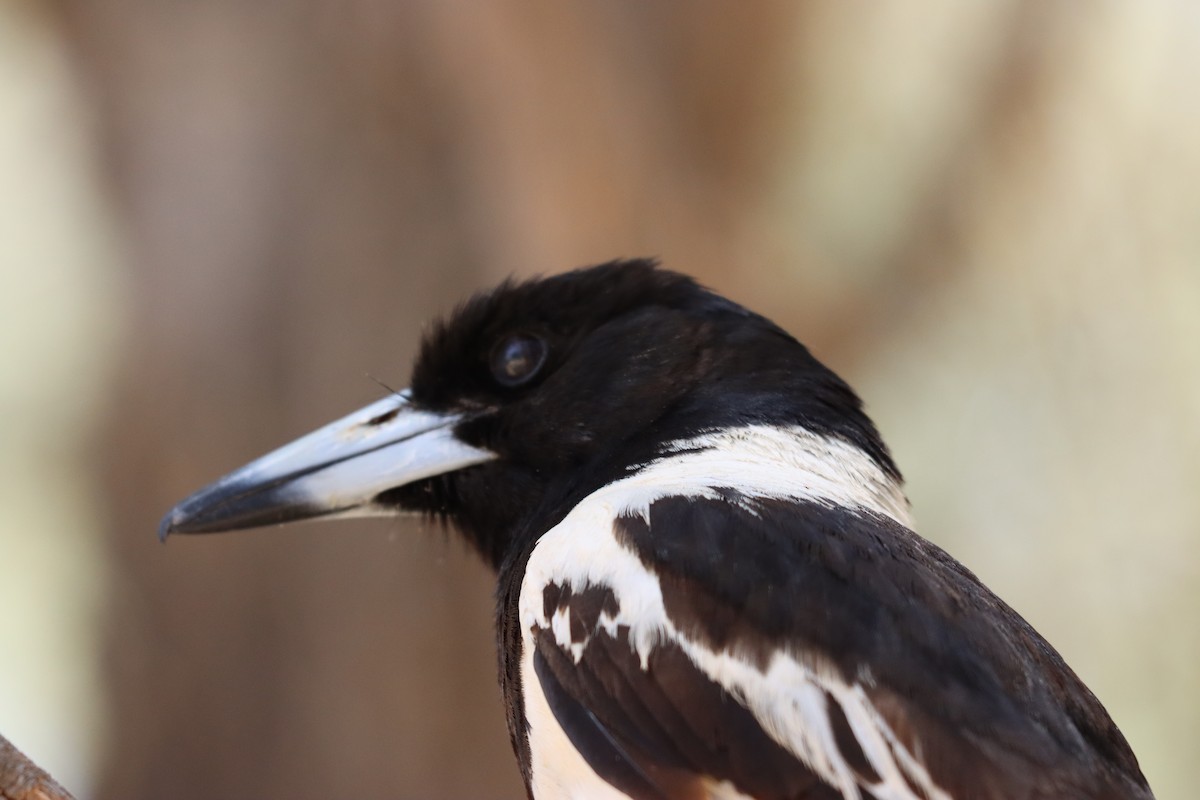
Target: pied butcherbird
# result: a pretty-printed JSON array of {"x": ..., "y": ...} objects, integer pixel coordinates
[{"x": 708, "y": 581}]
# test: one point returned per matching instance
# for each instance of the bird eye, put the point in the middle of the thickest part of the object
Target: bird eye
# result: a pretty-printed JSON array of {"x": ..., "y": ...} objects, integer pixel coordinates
[{"x": 517, "y": 359}]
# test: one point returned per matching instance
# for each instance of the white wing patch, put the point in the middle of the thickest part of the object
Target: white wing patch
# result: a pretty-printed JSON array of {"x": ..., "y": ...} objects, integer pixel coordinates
[
  {"x": 765, "y": 462},
  {"x": 789, "y": 697}
]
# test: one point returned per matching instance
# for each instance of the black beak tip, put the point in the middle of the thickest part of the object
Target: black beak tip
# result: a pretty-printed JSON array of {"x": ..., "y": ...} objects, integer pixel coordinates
[
  {"x": 168, "y": 524},
  {"x": 232, "y": 506},
  {"x": 185, "y": 517}
]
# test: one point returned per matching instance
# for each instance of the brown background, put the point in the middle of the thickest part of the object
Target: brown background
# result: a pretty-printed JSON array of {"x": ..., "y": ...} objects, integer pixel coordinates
[{"x": 225, "y": 216}]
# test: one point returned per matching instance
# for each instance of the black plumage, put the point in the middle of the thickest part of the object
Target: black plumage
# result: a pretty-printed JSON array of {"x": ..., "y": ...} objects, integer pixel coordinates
[
  {"x": 998, "y": 713},
  {"x": 707, "y": 585}
]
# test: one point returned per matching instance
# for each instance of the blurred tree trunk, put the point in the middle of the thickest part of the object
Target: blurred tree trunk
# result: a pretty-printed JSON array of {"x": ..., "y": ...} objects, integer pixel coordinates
[{"x": 303, "y": 184}]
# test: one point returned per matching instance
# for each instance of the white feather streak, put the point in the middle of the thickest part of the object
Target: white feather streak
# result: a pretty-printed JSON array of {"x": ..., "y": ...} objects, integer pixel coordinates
[{"x": 789, "y": 697}]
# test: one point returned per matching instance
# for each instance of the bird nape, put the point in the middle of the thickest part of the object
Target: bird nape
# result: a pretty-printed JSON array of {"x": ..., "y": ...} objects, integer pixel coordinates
[{"x": 708, "y": 583}]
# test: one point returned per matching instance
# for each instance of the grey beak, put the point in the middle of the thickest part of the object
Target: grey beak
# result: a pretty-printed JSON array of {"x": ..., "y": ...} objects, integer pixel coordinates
[{"x": 337, "y": 470}]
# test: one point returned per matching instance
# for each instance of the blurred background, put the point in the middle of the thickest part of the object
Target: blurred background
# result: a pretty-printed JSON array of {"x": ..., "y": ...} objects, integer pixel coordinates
[{"x": 220, "y": 220}]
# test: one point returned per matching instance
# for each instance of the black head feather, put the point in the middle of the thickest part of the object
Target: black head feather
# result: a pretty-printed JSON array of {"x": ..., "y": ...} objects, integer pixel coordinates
[{"x": 635, "y": 357}]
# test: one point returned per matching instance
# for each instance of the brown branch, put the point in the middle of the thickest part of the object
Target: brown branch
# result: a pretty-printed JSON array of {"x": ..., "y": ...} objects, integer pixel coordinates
[{"x": 21, "y": 779}]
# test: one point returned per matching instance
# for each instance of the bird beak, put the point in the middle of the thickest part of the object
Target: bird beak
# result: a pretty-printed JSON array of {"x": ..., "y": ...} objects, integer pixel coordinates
[{"x": 337, "y": 470}]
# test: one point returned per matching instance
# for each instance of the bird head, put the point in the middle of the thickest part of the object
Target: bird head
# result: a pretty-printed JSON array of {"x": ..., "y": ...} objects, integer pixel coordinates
[{"x": 531, "y": 395}]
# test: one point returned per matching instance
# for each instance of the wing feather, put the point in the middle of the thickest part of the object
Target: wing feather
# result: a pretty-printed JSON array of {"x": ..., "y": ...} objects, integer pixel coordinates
[{"x": 789, "y": 649}]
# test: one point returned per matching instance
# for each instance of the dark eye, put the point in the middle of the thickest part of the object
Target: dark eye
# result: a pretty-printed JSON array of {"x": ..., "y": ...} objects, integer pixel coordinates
[{"x": 517, "y": 359}]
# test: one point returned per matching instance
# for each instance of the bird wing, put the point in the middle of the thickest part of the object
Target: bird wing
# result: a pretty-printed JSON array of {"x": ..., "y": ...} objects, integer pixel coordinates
[{"x": 721, "y": 645}]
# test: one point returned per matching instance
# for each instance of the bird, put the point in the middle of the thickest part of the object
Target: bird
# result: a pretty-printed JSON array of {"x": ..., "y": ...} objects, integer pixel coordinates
[{"x": 708, "y": 584}]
